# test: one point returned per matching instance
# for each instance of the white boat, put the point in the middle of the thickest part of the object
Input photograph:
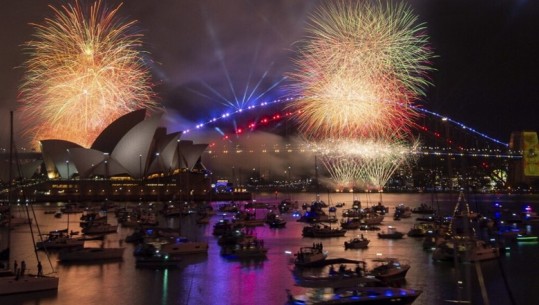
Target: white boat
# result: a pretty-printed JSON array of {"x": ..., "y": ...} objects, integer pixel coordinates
[
  {"x": 16, "y": 281},
  {"x": 182, "y": 246},
  {"x": 310, "y": 256},
  {"x": 12, "y": 284},
  {"x": 389, "y": 270},
  {"x": 93, "y": 254},
  {"x": 59, "y": 242}
]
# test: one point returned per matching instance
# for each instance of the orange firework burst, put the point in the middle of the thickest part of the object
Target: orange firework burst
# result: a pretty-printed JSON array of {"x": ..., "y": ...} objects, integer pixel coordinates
[
  {"x": 361, "y": 67},
  {"x": 84, "y": 71}
]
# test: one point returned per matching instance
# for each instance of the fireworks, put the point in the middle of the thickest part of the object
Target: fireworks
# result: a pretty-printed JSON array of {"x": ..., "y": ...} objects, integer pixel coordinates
[
  {"x": 365, "y": 163},
  {"x": 84, "y": 71},
  {"x": 362, "y": 65},
  {"x": 360, "y": 71}
]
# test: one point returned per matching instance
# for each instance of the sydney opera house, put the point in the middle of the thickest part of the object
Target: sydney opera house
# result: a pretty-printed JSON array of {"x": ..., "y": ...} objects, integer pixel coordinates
[{"x": 134, "y": 158}]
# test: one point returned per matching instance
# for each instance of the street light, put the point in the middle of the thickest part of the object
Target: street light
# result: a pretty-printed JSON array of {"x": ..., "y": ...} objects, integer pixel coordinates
[
  {"x": 140, "y": 166},
  {"x": 67, "y": 164}
]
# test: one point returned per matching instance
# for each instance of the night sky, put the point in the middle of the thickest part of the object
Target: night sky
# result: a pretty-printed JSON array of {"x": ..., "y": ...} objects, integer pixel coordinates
[{"x": 200, "y": 52}]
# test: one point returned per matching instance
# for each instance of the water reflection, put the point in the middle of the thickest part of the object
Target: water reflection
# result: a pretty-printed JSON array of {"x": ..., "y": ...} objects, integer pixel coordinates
[{"x": 213, "y": 279}]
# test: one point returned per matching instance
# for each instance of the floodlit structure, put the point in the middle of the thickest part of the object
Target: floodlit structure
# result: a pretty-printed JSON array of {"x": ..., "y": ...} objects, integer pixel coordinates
[
  {"x": 134, "y": 158},
  {"x": 131, "y": 147}
]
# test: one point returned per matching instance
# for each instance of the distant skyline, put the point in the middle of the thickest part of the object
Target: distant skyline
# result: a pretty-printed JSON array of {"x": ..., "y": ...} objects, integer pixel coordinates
[{"x": 208, "y": 56}]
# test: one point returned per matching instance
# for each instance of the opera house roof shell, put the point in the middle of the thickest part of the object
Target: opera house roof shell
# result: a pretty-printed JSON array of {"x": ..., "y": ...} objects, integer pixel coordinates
[{"x": 133, "y": 146}]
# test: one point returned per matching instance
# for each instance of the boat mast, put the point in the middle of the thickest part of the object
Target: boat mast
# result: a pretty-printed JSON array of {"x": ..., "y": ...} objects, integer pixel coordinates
[
  {"x": 316, "y": 177},
  {"x": 10, "y": 185}
]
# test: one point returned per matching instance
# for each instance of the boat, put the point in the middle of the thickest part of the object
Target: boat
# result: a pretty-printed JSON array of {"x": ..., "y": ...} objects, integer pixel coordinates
[
  {"x": 180, "y": 246},
  {"x": 310, "y": 256},
  {"x": 157, "y": 260},
  {"x": 16, "y": 281},
  {"x": 246, "y": 250},
  {"x": 369, "y": 228},
  {"x": 389, "y": 270},
  {"x": 466, "y": 249},
  {"x": 421, "y": 230},
  {"x": 335, "y": 279},
  {"x": 71, "y": 208},
  {"x": 402, "y": 211},
  {"x": 423, "y": 208},
  {"x": 234, "y": 237},
  {"x": 525, "y": 237},
  {"x": 380, "y": 209},
  {"x": 371, "y": 218},
  {"x": 59, "y": 239},
  {"x": 358, "y": 295},
  {"x": 391, "y": 233},
  {"x": 322, "y": 231},
  {"x": 314, "y": 213},
  {"x": 277, "y": 223},
  {"x": 223, "y": 226},
  {"x": 274, "y": 221},
  {"x": 10, "y": 283},
  {"x": 460, "y": 244},
  {"x": 100, "y": 228},
  {"x": 351, "y": 224},
  {"x": 359, "y": 242},
  {"x": 91, "y": 254},
  {"x": 509, "y": 231},
  {"x": 90, "y": 218}
]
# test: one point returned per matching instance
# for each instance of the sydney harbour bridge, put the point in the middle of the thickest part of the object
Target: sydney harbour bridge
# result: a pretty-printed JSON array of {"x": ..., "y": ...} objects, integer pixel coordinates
[{"x": 259, "y": 148}]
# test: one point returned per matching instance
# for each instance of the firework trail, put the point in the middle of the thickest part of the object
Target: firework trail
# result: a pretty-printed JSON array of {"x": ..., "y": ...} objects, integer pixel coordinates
[
  {"x": 361, "y": 67},
  {"x": 365, "y": 163},
  {"x": 83, "y": 72}
]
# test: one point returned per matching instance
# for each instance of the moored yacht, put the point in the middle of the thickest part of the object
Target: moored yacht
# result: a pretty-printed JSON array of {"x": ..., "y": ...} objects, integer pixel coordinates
[
  {"x": 465, "y": 249},
  {"x": 91, "y": 254},
  {"x": 310, "y": 256},
  {"x": 359, "y": 242},
  {"x": 322, "y": 231},
  {"x": 180, "y": 246},
  {"x": 358, "y": 295},
  {"x": 11, "y": 283}
]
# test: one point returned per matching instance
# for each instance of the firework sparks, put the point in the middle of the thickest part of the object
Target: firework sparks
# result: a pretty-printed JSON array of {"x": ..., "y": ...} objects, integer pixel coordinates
[
  {"x": 366, "y": 163},
  {"x": 360, "y": 69},
  {"x": 84, "y": 71}
]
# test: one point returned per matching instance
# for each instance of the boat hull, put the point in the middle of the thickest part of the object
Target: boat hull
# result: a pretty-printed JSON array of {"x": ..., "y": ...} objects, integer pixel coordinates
[
  {"x": 184, "y": 248},
  {"x": 91, "y": 254},
  {"x": 367, "y": 296},
  {"x": 27, "y": 284},
  {"x": 157, "y": 263}
]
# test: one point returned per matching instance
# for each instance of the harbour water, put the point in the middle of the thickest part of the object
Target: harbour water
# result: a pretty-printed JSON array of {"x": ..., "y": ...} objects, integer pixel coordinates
[{"x": 212, "y": 279}]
